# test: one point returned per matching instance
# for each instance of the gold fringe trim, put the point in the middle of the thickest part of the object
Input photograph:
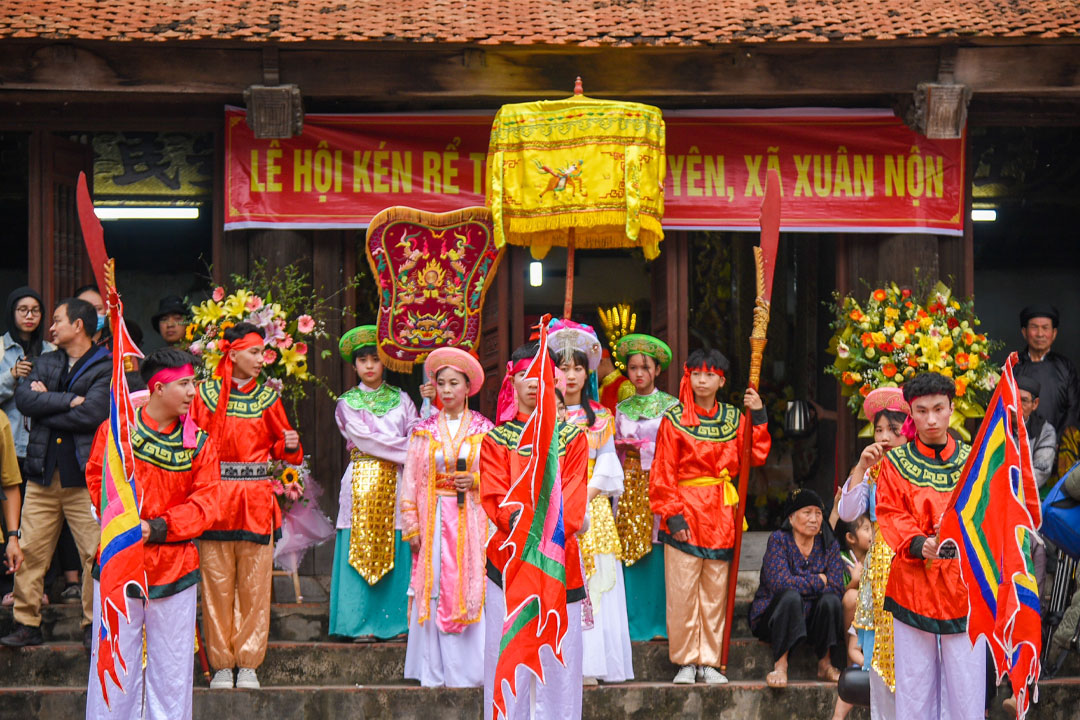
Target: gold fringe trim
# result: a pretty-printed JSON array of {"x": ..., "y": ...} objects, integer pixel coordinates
[{"x": 541, "y": 240}]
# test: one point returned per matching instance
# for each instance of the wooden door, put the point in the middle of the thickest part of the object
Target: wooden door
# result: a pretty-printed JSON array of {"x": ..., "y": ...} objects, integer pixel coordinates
[
  {"x": 670, "y": 304},
  {"x": 58, "y": 261}
]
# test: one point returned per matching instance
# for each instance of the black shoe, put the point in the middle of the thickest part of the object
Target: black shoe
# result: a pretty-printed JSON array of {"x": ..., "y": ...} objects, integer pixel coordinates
[
  {"x": 88, "y": 637},
  {"x": 22, "y": 636}
]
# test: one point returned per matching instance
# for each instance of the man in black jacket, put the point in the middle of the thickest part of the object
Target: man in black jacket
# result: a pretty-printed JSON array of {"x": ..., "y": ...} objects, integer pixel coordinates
[
  {"x": 66, "y": 399},
  {"x": 1059, "y": 397}
]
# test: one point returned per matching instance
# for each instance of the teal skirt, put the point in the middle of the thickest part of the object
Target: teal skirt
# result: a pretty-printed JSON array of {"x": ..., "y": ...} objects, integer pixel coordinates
[
  {"x": 646, "y": 600},
  {"x": 358, "y": 609}
]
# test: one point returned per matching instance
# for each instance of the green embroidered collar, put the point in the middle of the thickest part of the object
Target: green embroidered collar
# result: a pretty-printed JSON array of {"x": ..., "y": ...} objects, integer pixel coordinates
[
  {"x": 647, "y": 407},
  {"x": 377, "y": 402}
]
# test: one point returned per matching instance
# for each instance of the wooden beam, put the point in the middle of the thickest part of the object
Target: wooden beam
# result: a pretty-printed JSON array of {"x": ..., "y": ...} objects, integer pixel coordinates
[{"x": 463, "y": 76}]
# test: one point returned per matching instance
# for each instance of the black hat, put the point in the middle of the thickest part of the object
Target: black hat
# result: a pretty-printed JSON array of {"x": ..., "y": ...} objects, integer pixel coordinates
[
  {"x": 800, "y": 498},
  {"x": 1030, "y": 384},
  {"x": 169, "y": 305},
  {"x": 1037, "y": 311}
]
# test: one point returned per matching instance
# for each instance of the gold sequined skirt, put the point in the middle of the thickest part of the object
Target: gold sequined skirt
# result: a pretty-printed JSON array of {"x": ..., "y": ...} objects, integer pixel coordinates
[
  {"x": 634, "y": 523},
  {"x": 881, "y": 556},
  {"x": 374, "y": 492},
  {"x": 601, "y": 538}
]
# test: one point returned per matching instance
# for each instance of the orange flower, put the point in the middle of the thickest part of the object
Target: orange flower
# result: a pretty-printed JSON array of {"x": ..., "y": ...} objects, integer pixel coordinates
[
  {"x": 867, "y": 339},
  {"x": 848, "y": 378},
  {"x": 911, "y": 327},
  {"x": 865, "y": 389},
  {"x": 913, "y": 361},
  {"x": 856, "y": 315},
  {"x": 889, "y": 370},
  {"x": 963, "y": 360},
  {"x": 880, "y": 295},
  {"x": 961, "y": 387}
]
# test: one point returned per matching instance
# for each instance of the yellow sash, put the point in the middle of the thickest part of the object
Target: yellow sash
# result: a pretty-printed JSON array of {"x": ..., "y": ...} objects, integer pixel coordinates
[{"x": 731, "y": 493}]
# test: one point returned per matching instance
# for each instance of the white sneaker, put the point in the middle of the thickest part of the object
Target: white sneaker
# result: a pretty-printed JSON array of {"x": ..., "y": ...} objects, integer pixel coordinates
[
  {"x": 246, "y": 679},
  {"x": 712, "y": 676},
  {"x": 222, "y": 679},
  {"x": 687, "y": 675}
]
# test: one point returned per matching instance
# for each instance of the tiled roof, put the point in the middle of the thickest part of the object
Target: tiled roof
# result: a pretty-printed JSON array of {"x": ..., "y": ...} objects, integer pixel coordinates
[{"x": 553, "y": 22}]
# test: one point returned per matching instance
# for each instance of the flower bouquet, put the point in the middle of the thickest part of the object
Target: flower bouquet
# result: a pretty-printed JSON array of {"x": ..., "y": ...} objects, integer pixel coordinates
[
  {"x": 303, "y": 524},
  {"x": 897, "y": 333},
  {"x": 283, "y": 306}
]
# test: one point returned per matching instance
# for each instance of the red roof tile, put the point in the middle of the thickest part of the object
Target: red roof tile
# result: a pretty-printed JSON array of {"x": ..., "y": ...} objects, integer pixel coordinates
[{"x": 557, "y": 22}]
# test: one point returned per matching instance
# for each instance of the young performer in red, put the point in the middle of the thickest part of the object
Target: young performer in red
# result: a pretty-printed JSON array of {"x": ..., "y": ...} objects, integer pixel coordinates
[
  {"x": 178, "y": 481},
  {"x": 692, "y": 489},
  {"x": 938, "y": 672},
  {"x": 501, "y": 462},
  {"x": 247, "y": 421}
]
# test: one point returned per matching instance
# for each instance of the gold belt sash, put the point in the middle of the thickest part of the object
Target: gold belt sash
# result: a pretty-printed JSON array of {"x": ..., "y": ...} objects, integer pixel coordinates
[
  {"x": 634, "y": 523},
  {"x": 601, "y": 538},
  {"x": 374, "y": 491},
  {"x": 731, "y": 493}
]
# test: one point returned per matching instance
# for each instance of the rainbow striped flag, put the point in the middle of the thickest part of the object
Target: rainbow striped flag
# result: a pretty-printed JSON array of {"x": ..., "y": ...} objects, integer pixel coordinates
[
  {"x": 534, "y": 579},
  {"x": 990, "y": 518},
  {"x": 121, "y": 551}
]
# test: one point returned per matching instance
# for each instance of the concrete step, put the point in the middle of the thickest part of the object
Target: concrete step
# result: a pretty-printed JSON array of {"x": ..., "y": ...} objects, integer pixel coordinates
[
  {"x": 326, "y": 663},
  {"x": 303, "y": 622},
  {"x": 634, "y": 701}
]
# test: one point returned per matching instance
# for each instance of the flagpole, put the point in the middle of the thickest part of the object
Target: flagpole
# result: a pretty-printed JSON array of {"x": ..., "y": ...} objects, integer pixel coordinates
[{"x": 765, "y": 265}]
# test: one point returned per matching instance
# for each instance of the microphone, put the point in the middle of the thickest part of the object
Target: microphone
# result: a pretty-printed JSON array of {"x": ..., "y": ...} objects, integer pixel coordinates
[{"x": 462, "y": 466}]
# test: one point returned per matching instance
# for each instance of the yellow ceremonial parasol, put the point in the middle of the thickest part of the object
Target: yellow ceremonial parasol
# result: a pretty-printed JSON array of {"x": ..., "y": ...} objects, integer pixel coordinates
[{"x": 578, "y": 172}]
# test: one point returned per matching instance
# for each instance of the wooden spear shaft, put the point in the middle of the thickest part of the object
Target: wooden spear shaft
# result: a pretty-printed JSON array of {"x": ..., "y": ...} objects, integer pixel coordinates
[{"x": 765, "y": 262}]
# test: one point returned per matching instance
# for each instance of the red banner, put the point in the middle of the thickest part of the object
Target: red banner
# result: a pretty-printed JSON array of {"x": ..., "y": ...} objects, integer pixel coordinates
[{"x": 841, "y": 170}]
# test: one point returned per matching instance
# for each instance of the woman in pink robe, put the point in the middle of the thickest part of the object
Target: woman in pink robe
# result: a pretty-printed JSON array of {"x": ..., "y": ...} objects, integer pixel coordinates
[{"x": 445, "y": 524}]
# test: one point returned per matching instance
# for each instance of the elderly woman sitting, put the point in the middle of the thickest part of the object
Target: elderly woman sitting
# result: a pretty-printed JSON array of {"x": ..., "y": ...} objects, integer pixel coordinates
[{"x": 798, "y": 597}]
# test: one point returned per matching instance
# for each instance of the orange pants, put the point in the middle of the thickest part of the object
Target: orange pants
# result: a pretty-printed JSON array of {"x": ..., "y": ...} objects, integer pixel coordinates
[
  {"x": 696, "y": 601},
  {"x": 236, "y": 577}
]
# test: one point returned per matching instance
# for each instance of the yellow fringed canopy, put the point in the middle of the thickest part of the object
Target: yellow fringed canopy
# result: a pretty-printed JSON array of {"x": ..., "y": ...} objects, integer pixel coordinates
[{"x": 596, "y": 166}]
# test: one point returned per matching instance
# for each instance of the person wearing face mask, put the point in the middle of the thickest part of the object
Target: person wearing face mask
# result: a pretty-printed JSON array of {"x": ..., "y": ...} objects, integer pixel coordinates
[
  {"x": 91, "y": 294},
  {"x": 692, "y": 489},
  {"x": 446, "y": 528},
  {"x": 370, "y": 581},
  {"x": 939, "y": 674},
  {"x": 178, "y": 479},
  {"x": 607, "y": 653},
  {"x": 798, "y": 596},
  {"x": 247, "y": 422}
]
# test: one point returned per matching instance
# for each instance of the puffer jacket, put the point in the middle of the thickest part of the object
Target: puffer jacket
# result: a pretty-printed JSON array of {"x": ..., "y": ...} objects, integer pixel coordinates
[
  {"x": 51, "y": 410},
  {"x": 10, "y": 353}
]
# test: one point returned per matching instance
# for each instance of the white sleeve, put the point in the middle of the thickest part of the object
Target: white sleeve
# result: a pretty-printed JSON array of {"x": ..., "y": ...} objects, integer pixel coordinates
[
  {"x": 854, "y": 501},
  {"x": 607, "y": 474}
]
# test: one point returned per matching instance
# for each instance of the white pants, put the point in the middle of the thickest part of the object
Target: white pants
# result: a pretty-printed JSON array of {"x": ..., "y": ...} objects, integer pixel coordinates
[
  {"x": 606, "y": 651},
  {"x": 938, "y": 677},
  {"x": 163, "y": 690},
  {"x": 439, "y": 659},
  {"x": 882, "y": 700},
  {"x": 559, "y": 697}
]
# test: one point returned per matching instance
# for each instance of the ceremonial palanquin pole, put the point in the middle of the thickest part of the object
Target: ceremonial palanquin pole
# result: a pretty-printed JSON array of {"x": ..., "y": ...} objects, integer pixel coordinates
[
  {"x": 765, "y": 260},
  {"x": 120, "y": 554}
]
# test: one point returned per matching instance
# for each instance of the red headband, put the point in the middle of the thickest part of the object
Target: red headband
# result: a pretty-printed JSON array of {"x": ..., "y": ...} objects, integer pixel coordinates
[
  {"x": 686, "y": 393},
  {"x": 168, "y": 375},
  {"x": 506, "y": 408},
  {"x": 224, "y": 371}
]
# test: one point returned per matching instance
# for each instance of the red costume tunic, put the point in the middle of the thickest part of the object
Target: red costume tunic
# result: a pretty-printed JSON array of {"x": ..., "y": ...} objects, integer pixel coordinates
[
  {"x": 178, "y": 493},
  {"x": 913, "y": 491},
  {"x": 615, "y": 388},
  {"x": 254, "y": 426},
  {"x": 500, "y": 463},
  {"x": 682, "y": 482}
]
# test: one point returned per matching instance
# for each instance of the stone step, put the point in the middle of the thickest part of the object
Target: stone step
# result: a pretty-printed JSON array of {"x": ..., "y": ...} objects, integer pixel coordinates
[
  {"x": 634, "y": 701},
  {"x": 326, "y": 663},
  {"x": 303, "y": 622}
]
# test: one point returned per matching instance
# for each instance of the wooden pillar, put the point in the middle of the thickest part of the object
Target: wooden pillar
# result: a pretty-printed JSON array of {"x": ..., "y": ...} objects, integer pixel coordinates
[{"x": 670, "y": 304}]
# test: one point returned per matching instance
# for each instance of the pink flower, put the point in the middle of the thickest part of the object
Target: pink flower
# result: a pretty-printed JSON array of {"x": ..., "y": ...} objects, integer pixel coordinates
[
  {"x": 196, "y": 348},
  {"x": 293, "y": 491},
  {"x": 301, "y": 348},
  {"x": 254, "y": 303},
  {"x": 278, "y": 487},
  {"x": 269, "y": 357},
  {"x": 219, "y": 294},
  {"x": 275, "y": 384},
  {"x": 305, "y": 324},
  {"x": 285, "y": 341}
]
